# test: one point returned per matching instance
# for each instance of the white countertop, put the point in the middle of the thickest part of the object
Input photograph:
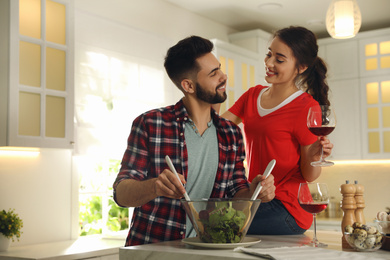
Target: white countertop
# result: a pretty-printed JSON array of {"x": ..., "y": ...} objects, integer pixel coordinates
[
  {"x": 83, "y": 247},
  {"x": 173, "y": 250}
]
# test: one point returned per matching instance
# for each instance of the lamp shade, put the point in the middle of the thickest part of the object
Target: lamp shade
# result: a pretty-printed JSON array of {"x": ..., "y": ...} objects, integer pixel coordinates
[{"x": 343, "y": 19}]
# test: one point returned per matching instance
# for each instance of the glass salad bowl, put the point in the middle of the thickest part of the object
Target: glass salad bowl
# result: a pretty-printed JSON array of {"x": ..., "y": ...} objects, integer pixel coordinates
[{"x": 221, "y": 220}]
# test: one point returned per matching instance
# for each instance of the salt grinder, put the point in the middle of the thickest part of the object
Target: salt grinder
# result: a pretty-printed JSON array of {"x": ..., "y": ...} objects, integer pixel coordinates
[
  {"x": 360, "y": 205},
  {"x": 348, "y": 205}
]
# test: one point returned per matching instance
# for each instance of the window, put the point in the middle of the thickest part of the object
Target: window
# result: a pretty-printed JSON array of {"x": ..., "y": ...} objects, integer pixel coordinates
[{"x": 111, "y": 90}]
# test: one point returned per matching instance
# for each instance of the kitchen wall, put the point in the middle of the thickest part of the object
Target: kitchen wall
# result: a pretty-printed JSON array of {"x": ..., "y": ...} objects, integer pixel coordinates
[
  {"x": 373, "y": 175},
  {"x": 40, "y": 190},
  {"x": 43, "y": 189}
]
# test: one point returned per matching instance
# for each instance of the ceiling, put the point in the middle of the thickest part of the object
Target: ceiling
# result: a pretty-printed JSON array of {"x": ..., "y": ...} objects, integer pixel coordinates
[{"x": 244, "y": 15}]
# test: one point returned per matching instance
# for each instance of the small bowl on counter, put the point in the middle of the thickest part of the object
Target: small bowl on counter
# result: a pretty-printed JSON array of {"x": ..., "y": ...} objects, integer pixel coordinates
[
  {"x": 383, "y": 226},
  {"x": 364, "y": 238}
]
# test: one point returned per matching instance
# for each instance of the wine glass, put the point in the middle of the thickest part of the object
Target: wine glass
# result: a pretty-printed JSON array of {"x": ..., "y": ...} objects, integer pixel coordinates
[
  {"x": 321, "y": 121},
  {"x": 314, "y": 198}
]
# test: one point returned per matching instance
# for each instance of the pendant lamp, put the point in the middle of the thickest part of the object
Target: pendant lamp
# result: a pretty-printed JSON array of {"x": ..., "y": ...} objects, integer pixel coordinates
[{"x": 343, "y": 19}]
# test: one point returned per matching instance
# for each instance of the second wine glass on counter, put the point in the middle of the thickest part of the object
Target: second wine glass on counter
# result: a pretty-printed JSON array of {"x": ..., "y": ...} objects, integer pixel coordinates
[
  {"x": 314, "y": 198},
  {"x": 321, "y": 121}
]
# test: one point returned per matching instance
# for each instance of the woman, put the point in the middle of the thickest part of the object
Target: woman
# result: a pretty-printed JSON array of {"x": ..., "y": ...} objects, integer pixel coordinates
[{"x": 274, "y": 120}]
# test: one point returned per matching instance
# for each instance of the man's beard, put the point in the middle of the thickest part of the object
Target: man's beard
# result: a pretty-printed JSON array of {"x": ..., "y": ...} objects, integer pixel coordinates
[{"x": 209, "y": 97}]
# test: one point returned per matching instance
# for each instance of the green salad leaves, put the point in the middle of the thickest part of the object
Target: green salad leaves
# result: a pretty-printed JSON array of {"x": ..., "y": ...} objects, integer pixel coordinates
[{"x": 223, "y": 224}]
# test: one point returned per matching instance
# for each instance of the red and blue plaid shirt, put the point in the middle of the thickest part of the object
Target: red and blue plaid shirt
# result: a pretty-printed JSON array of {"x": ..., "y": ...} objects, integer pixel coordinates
[{"x": 158, "y": 133}]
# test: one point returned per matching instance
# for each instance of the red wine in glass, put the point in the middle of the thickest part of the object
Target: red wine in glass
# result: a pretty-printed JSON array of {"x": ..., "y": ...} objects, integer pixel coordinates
[
  {"x": 321, "y": 121},
  {"x": 322, "y": 130},
  {"x": 314, "y": 208},
  {"x": 313, "y": 198}
]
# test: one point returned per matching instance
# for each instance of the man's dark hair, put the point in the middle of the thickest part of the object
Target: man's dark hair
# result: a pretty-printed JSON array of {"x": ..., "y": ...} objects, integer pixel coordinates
[{"x": 180, "y": 61}]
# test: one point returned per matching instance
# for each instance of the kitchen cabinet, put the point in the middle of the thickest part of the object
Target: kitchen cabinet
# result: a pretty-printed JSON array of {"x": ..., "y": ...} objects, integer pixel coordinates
[
  {"x": 343, "y": 80},
  {"x": 375, "y": 55},
  {"x": 242, "y": 67},
  {"x": 345, "y": 98},
  {"x": 254, "y": 40},
  {"x": 375, "y": 95},
  {"x": 375, "y": 111},
  {"x": 36, "y": 81},
  {"x": 257, "y": 41},
  {"x": 342, "y": 59},
  {"x": 359, "y": 79}
]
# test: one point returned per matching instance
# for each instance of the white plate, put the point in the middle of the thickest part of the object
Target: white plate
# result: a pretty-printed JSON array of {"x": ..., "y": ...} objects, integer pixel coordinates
[{"x": 195, "y": 241}]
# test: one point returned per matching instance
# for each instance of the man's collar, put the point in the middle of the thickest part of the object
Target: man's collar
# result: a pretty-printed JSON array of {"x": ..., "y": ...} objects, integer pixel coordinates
[{"x": 181, "y": 113}]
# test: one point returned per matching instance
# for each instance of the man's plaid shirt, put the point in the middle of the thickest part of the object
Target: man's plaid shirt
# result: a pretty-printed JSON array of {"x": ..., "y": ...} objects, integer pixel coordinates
[{"x": 158, "y": 133}]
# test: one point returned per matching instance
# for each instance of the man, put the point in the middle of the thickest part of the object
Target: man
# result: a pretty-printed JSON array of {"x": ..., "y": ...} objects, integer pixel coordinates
[{"x": 206, "y": 150}]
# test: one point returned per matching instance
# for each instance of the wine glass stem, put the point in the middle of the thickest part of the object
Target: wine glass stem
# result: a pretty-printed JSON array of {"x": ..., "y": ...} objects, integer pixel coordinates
[
  {"x": 322, "y": 154},
  {"x": 315, "y": 228}
]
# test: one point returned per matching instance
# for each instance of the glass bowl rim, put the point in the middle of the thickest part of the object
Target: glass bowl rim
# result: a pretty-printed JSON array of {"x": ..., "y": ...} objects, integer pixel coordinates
[
  {"x": 381, "y": 221},
  {"x": 379, "y": 233}
]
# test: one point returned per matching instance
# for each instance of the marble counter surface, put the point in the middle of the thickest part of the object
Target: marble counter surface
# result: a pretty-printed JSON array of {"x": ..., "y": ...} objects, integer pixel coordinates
[
  {"x": 84, "y": 247},
  {"x": 173, "y": 250}
]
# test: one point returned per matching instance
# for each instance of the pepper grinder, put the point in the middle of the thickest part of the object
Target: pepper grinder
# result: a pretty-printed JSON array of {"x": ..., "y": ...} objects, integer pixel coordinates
[
  {"x": 360, "y": 205},
  {"x": 348, "y": 205}
]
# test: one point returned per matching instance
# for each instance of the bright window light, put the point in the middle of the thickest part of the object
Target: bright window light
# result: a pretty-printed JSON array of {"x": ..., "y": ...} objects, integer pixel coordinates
[{"x": 112, "y": 89}]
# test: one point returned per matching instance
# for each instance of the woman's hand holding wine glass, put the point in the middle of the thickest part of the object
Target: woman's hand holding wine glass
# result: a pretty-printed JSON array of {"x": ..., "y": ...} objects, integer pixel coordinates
[{"x": 321, "y": 121}]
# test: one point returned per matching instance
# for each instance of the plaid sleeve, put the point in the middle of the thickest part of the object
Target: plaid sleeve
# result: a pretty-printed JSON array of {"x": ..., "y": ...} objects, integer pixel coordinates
[{"x": 135, "y": 159}]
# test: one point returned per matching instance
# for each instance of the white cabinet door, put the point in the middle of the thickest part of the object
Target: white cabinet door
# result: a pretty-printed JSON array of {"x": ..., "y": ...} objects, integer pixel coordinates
[
  {"x": 4, "y": 69},
  {"x": 375, "y": 56},
  {"x": 375, "y": 119},
  {"x": 256, "y": 41},
  {"x": 347, "y": 135},
  {"x": 38, "y": 57},
  {"x": 342, "y": 59},
  {"x": 375, "y": 95},
  {"x": 343, "y": 72}
]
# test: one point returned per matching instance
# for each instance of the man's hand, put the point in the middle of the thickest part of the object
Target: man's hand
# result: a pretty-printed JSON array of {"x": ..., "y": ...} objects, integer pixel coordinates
[
  {"x": 168, "y": 185},
  {"x": 134, "y": 193}
]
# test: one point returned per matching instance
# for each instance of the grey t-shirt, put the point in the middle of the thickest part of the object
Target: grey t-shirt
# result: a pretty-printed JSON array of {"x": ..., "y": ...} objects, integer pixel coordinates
[{"x": 202, "y": 164}]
